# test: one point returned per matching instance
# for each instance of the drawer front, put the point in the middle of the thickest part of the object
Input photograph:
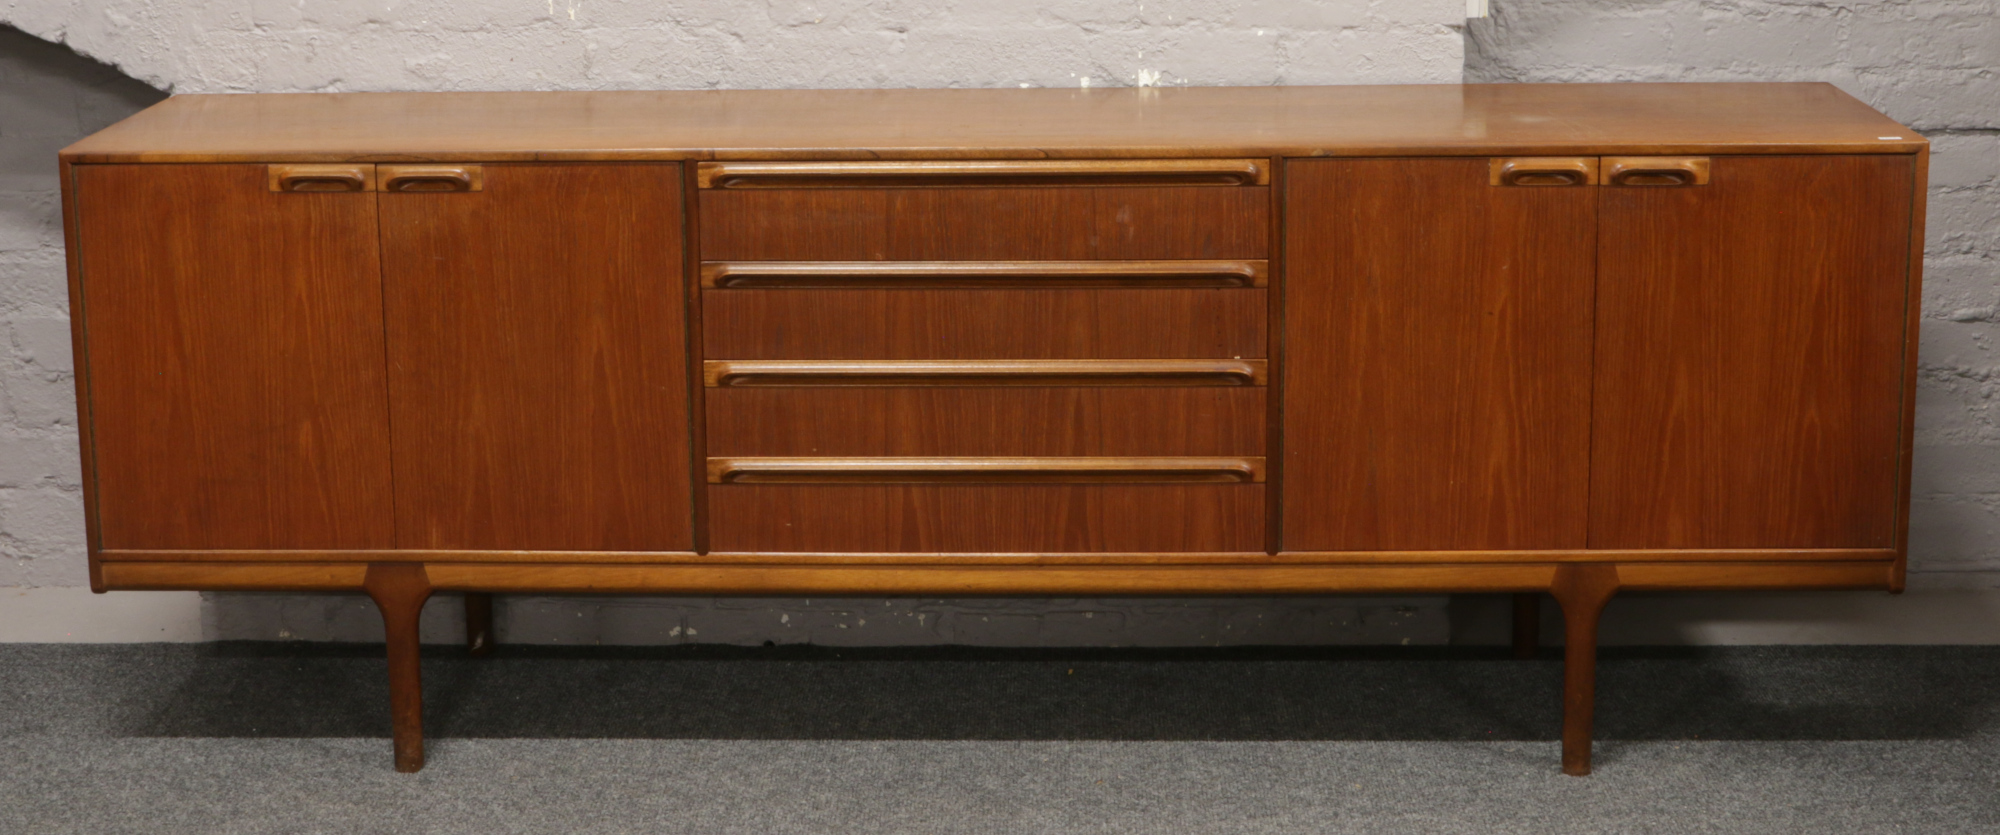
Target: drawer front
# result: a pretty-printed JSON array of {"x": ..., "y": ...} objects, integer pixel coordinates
[
  {"x": 887, "y": 324},
  {"x": 918, "y": 421},
  {"x": 991, "y": 518},
  {"x": 931, "y": 224}
]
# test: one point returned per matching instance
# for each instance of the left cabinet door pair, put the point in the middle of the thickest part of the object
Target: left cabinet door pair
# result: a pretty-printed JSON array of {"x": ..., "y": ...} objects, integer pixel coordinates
[{"x": 494, "y": 369}]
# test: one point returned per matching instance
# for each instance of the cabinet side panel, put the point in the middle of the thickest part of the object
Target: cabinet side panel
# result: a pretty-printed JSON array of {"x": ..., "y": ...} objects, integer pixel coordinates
[
  {"x": 1437, "y": 358},
  {"x": 234, "y": 340},
  {"x": 1750, "y": 337},
  {"x": 537, "y": 360}
]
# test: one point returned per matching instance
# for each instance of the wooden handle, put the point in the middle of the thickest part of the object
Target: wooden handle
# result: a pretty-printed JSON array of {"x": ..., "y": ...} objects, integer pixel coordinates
[
  {"x": 423, "y": 178},
  {"x": 927, "y": 274},
  {"x": 1543, "y": 171},
  {"x": 1656, "y": 171},
  {"x": 1147, "y": 172},
  {"x": 729, "y": 373},
  {"x": 321, "y": 178},
  {"x": 984, "y": 470}
]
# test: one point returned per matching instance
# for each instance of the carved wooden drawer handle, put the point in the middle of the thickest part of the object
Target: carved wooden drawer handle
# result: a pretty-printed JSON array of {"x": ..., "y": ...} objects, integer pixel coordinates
[
  {"x": 321, "y": 178},
  {"x": 958, "y": 274},
  {"x": 418, "y": 178},
  {"x": 1120, "y": 470},
  {"x": 1147, "y": 172},
  {"x": 1656, "y": 171},
  {"x": 1543, "y": 171},
  {"x": 723, "y": 373}
]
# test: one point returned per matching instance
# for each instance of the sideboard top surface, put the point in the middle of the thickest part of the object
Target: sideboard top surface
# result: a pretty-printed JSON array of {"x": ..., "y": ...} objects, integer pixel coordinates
[{"x": 1447, "y": 119}]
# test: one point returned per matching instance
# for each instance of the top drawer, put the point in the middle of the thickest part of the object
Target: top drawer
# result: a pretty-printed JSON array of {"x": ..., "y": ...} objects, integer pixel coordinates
[{"x": 985, "y": 210}]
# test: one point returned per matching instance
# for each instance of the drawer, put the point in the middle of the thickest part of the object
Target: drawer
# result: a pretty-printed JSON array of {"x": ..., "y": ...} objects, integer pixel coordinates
[
  {"x": 1014, "y": 421},
  {"x": 1040, "y": 323},
  {"x": 985, "y": 211},
  {"x": 988, "y": 518}
]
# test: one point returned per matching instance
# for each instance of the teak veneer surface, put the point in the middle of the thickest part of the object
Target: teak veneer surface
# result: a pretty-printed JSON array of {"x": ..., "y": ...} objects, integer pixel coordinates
[
  {"x": 1012, "y": 421},
  {"x": 889, "y": 124},
  {"x": 983, "y": 517},
  {"x": 538, "y": 360},
  {"x": 1097, "y": 323},
  {"x": 1043, "y": 223},
  {"x": 234, "y": 352},
  {"x": 1437, "y": 332},
  {"x": 1748, "y": 365}
]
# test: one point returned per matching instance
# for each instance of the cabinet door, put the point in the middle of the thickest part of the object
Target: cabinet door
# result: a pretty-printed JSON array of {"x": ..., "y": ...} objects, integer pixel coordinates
[
  {"x": 1437, "y": 357},
  {"x": 234, "y": 353},
  {"x": 538, "y": 366},
  {"x": 1749, "y": 356}
]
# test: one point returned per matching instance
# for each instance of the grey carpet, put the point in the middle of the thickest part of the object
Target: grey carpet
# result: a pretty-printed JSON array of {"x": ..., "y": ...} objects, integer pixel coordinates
[{"x": 264, "y": 738}]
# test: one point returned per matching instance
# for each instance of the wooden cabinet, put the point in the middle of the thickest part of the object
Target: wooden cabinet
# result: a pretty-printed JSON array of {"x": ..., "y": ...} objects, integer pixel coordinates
[{"x": 1562, "y": 339}]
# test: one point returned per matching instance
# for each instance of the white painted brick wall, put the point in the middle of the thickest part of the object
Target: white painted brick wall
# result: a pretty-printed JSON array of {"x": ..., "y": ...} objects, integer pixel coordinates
[
  {"x": 306, "y": 45},
  {"x": 322, "y": 45},
  {"x": 1932, "y": 64}
]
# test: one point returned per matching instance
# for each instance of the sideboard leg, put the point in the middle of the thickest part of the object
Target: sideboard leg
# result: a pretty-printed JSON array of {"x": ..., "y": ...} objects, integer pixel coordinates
[
  {"x": 1582, "y": 589},
  {"x": 1527, "y": 624},
  {"x": 399, "y": 590},
  {"x": 478, "y": 623}
]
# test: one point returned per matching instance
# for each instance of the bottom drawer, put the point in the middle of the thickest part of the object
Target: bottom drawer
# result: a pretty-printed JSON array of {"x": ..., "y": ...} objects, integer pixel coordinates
[{"x": 1003, "y": 518}]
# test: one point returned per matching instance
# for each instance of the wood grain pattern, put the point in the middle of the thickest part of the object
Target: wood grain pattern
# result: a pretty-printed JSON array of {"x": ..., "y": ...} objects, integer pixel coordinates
[
  {"x": 983, "y": 574},
  {"x": 961, "y": 172},
  {"x": 1437, "y": 358},
  {"x": 234, "y": 352},
  {"x": 1718, "y": 559},
  {"x": 806, "y": 373},
  {"x": 725, "y": 275},
  {"x": 539, "y": 386},
  {"x": 973, "y": 518},
  {"x": 1913, "y": 313},
  {"x": 1582, "y": 590},
  {"x": 982, "y": 224},
  {"x": 399, "y": 591},
  {"x": 1748, "y": 359},
  {"x": 1348, "y": 120},
  {"x": 986, "y": 421},
  {"x": 986, "y": 469},
  {"x": 984, "y": 324}
]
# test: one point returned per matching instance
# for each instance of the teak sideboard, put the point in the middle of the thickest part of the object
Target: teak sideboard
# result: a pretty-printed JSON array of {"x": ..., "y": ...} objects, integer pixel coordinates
[{"x": 1566, "y": 339}]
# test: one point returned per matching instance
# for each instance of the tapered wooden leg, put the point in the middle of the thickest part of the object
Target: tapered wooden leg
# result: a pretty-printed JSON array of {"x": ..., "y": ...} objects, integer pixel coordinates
[
  {"x": 1527, "y": 624},
  {"x": 399, "y": 590},
  {"x": 1582, "y": 589},
  {"x": 478, "y": 623}
]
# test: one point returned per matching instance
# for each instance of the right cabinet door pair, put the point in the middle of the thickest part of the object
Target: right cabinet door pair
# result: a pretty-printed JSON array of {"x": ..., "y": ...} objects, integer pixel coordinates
[{"x": 1472, "y": 366}]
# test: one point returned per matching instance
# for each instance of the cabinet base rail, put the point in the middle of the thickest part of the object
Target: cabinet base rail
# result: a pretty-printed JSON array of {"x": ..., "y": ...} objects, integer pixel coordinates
[{"x": 400, "y": 588}]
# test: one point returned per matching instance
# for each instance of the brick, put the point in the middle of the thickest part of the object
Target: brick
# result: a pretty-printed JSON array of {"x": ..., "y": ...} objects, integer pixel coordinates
[
  {"x": 1965, "y": 160},
  {"x": 42, "y": 342}
]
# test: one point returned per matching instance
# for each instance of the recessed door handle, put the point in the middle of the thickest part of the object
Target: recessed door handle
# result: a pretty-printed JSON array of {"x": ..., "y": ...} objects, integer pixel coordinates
[
  {"x": 423, "y": 178},
  {"x": 308, "y": 179},
  {"x": 1542, "y": 171},
  {"x": 1656, "y": 171}
]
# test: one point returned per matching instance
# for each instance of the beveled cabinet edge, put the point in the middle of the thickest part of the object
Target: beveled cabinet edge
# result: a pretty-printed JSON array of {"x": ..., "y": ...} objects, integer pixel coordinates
[
  {"x": 1913, "y": 317},
  {"x": 80, "y": 364}
]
